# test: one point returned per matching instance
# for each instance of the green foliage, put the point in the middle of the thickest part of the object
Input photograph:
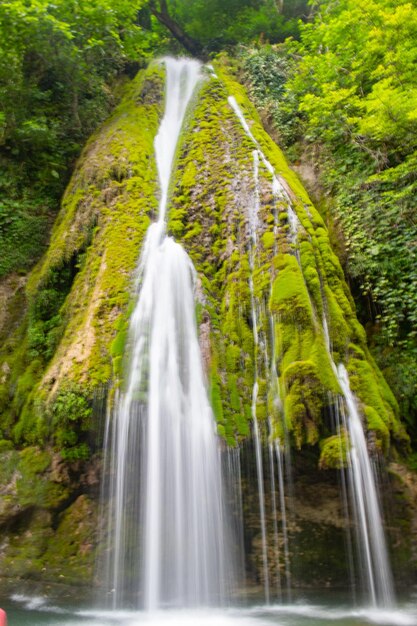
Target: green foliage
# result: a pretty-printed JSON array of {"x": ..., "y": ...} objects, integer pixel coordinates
[
  {"x": 56, "y": 63},
  {"x": 78, "y": 295},
  {"x": 45, "y": 322},
  {"x": 217, "y": 24},
  {"x": 71, "y": 414},
  {"x": 358, "y": 96},
  {"x": 23, "y": 230},
  {"x": 265, "y": 70},
  {"x": 350, "y": 96}
]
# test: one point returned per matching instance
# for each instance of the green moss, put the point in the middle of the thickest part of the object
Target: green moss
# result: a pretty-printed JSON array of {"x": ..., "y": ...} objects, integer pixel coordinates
[
  {"x": 70, "y": 553},
  {"x": 189, "y": 177},
  {"x": 34, "y": 486},
  {"x": 334, "y": 452},
  {"x": 216, "y": 401},
  {"x": 379, "y": 404},
  {"x": 273, "y": 153},
  {"x": 289, "y": 298},
  {"x": 23, "y": 556},
  {"x": 304, "y": 400},
  {"x": 338, "y": 327},
  {"x": 5, "y": 445},
  {"x": 311, "y": 275},
  {"x": 34, "y": 461},
  {"x": 221, "y": 431},
  {"x": 70, "y": 414},
  {"x": 118, "y": 345},
  {"x": 79, "y": 293},
  {"x": 25, "y": 384},
  {"x": 377, "y": 425},
  {"x": 233, "y": 393},
  {"x": 307, "y": 378},
  {"x": 268, "y": 240}
]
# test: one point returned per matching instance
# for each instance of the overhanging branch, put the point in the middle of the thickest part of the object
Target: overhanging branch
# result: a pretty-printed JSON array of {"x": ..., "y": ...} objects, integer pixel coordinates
[{"x": 162, "y": 15}]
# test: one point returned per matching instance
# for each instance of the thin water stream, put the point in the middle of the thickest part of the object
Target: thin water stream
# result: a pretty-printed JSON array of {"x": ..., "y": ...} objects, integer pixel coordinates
[{"x": 372, "y": 547}]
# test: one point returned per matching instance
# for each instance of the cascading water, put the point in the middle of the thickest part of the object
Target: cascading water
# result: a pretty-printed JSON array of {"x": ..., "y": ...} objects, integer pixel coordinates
[
  {"x": 167, "y": 519},
  {"x": 279, "y": 194},
  {"x": 168, "y": 525},
  {"x": 253, "y": 227},
  {"x": 373, "y": 553},
  {"x": 373, "y": 550},
  {"x": 167, "y": 510}
]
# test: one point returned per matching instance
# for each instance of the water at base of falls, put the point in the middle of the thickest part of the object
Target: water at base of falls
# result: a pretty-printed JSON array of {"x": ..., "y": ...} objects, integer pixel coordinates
[
  {"x": 23, "y": 609},
  {"x": 167, "y": 515}
]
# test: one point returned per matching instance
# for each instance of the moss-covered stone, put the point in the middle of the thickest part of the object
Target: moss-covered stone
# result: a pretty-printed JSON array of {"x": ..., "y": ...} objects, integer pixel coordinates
[
  {"x": 70, "y": 553},
  {"x": 290, "y": 299},
  {"x": 334, "y": 451},
  {"x": 288, "y": 280}
]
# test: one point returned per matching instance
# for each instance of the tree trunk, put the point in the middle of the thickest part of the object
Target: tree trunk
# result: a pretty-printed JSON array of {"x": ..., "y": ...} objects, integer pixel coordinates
[{"x": 191, "y": 45}]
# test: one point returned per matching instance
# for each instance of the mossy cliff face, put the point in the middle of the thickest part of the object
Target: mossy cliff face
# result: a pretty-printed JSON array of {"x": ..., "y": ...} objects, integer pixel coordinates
[
  {"x": 56, "y": 366},
  {"x": 267, "y": 278},
  {"x": 48, "y": 516},
  {"x": 71, "y": 342}
]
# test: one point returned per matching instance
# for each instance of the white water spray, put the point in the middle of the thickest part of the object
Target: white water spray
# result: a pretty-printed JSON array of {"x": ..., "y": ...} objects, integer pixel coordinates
[
  {"x": 169, "y": 541},
  {"x": 280, "y": 195},
  {"x": 373, "y": 550}
]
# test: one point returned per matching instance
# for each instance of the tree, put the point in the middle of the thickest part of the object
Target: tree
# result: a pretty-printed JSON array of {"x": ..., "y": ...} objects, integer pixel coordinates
[
  {"x": 355, "y": 88},
  {"x": 161, "y": 12},
  {"x": 56, "y": 63},
  {"x": 205, "y": 26}
]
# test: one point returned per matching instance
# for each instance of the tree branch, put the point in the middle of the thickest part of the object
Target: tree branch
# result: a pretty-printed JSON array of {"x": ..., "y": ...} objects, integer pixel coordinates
[{"x": 162, "y": 15}]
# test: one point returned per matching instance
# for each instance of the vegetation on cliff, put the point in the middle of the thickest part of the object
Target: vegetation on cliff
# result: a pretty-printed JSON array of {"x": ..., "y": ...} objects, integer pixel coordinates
[
  {"x": 343, "y": 99},
  {"x": 262, "y": 300},
  {"x": 78, "y": 292},
  {"x": 295, "y": 276}
]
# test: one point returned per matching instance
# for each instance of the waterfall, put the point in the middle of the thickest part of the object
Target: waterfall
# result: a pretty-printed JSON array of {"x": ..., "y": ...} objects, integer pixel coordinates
[
  {"x": 373, "y": 555},
  {"x": 167, "y": 523},
  {"x": 373, "y": 552},
  {"x": 373, "y": 549},
  {"x": 279, "y": 193},
  {"x": 168, "y": 519}
]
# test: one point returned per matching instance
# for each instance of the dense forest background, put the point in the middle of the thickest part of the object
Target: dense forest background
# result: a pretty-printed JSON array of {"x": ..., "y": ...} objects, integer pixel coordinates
[{"x": 334, "y": 81}]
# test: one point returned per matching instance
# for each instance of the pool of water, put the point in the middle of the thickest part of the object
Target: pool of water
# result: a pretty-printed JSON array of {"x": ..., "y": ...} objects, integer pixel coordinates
[{"x": 38, "y": 611}]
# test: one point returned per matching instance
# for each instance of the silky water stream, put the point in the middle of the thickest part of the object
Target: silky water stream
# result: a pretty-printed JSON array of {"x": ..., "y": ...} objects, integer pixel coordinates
[{"x": 170, "y": 558}]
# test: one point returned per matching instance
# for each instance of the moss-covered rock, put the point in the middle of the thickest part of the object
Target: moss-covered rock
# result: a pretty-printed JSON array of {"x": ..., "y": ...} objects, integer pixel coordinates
[
  {"x": 47, "y": 529},
  {"x": 70, "y": 553},
  {"x": 266, "y": 293},
  {"x": 79, "y": 293},
  {"x": 334, "y": 451}
]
